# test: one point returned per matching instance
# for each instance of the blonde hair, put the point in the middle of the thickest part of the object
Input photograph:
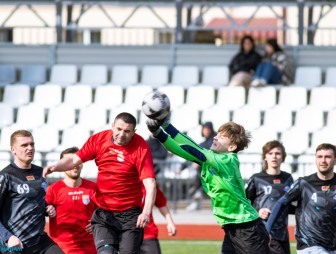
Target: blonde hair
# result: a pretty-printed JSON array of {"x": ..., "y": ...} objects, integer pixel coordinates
[
  {"x": 237, "y": 135},
  {"x": 19, "y": 133}
]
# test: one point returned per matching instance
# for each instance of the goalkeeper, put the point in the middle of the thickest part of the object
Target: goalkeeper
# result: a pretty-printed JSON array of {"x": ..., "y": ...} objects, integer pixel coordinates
[{"x": 222, "y": 181}]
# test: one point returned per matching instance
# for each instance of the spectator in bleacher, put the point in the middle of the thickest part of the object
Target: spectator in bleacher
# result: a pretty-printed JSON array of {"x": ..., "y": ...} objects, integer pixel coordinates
[
  {"x": 124, "y": 163},
  {"x": 196, "y": 189},
  {"x": 150, "y": 244},
  {"x": 244, "y": 63},
  {"x": 22, "y": 204},
  {"x": 315, "y": 213},
  {"x": 72, "y": 198},
  {"x": 267, "y": 187},
  {"x": 275, "y": 68}
]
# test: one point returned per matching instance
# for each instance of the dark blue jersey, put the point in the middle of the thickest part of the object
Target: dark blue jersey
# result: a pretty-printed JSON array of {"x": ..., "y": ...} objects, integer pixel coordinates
[
  {"x": 315, "y": 212},
  {"x": 264, "y": 191},
  {"x": 22, "y": 203}
]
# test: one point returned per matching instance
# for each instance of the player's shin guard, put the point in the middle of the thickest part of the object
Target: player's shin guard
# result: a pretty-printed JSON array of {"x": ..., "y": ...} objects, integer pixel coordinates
[{"x": 107, "y": 249}]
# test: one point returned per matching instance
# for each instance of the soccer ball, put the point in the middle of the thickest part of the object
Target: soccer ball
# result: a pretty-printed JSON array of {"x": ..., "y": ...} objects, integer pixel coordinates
[{"x": 156, "y": 105}]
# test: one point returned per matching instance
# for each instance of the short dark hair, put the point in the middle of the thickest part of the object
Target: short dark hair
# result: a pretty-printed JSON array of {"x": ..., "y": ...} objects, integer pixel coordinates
[
  {"x": 127, "y": 118},
  {"x": 73, "y": 149},
  {"x": 237, "y": 135},
  {"x": 269, "y": 146},
  {"x": 326, "y": 146},
  {"x": 19, "y": 133},
  {"x": 274, "y": 44}
]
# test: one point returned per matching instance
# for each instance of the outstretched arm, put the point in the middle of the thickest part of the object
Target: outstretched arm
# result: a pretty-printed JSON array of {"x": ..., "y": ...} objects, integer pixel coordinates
[{"x": 64, "y": 164}]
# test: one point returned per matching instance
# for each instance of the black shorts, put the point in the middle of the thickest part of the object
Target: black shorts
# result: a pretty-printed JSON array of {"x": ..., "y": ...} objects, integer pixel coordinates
[
  {"x": 279, "y": 247},
  {"x": 117, "y": 229},
  {"x": 246, "y": 238},
  {"x": 150, "y": 246}
]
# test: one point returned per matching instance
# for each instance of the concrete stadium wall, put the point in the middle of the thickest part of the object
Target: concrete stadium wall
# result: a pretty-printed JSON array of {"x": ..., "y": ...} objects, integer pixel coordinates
[{"x": 169, "y": 55}]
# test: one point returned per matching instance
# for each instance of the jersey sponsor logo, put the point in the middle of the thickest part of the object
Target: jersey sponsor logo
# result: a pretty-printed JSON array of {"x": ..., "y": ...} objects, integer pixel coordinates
[
  {"x": 30, "y": 178},
  {"x": 86, "y": 199},
  {"x": 325, "y": 188},
  {"x": 276, "y": 181}
]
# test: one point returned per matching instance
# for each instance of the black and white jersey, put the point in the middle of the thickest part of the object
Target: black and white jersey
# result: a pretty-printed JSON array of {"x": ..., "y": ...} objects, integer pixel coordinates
[
  {"x": 316, "y": 211},
  {"x": 264, "y": 191},
  {"x": 22, "y": 203}
]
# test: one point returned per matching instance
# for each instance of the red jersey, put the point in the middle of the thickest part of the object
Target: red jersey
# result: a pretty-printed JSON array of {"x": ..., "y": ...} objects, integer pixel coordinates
[
  {"x": 120, "y": 170},
  {"x": 74, "y": 208},
  {"x": 151, "y": 231}
]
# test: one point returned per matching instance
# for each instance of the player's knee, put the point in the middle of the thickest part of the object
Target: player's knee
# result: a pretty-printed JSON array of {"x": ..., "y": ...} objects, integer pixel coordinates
[{"x": 107, "y": 249}]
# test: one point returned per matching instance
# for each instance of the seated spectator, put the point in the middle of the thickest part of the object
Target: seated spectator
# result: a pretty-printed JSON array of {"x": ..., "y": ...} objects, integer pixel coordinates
[
  {"x": 244, "y": 63},
  {"x": 275, "y": 67}
]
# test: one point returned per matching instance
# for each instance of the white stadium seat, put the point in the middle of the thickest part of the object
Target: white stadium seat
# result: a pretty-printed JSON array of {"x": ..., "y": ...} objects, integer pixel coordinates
[
  {"x": 61, "y": 117},
  {"x": 185, "y": 75},
  {"x": 124, "y": 75},
  {"x": 217, "y": 115},
  {"x": 248, "y": 116},
  {"x": 155, "y": 75},
  {"x": 108, "y": 96},
  {"x": 231, "y": 97},
  {"x": 7, "y": 115},
  {"x": 200, "y": 97},
  {"x": 78, "y": 96},
  {"x": 16, "y": 95},
  {"x": 323, "y": 98},
  {"x": 63, "y": 74},
  {"x": 215, "y": 75},
  {"x": 47, "y": 95},
  {"x": 293, "y": 97},
  {"x": 135, "y": 94},
  {"x": 94, "y": 75},
  {"x": 308, "y": 76},
  {"x": 330, "y": 76},
  {"x": 262, "y": 97}
]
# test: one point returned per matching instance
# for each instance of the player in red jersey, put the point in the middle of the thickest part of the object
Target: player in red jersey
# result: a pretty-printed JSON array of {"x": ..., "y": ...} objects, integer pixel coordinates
[
  {"x": 124, "y": 163},
  {"x": 150, "y": 244},
  {"x": 72, "y": 198}
]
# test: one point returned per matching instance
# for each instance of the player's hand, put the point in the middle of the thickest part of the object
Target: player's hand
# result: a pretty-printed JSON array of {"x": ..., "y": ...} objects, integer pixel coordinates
[
  {"x": 143, "y": 220},
  {"x": 13, "y": 241},
  {"x": 153, "y": 125},
  {"x": 48, "y": 170},
  {"x": 171, "y": 229},
  {"x": 51, "y": 211},
  {"x": 264, "y": 213},
  {"x": 88, "y": 228}
]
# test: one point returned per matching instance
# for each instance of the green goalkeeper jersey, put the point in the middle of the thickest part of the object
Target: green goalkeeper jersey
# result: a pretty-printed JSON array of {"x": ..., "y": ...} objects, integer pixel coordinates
[{"x": 220, "y": 176}]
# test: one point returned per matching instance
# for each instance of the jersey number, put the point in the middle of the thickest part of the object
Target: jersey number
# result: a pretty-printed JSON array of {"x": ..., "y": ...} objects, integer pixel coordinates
[
  {"x": 314, "y": 197},
  {"x": 268, "y": 189},
  {"x": 23, "y": 188}
]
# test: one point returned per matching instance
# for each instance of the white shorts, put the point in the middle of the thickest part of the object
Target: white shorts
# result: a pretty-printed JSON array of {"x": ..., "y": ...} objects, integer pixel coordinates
[{"x": 315, "y": 250}]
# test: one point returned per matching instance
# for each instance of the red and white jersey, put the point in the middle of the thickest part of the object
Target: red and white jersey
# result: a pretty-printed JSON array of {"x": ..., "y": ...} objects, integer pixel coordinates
[
  {"x": 121, "y": 170},
  {"x": 74, "y": 208},
  {"x": 151, "y": 231}
]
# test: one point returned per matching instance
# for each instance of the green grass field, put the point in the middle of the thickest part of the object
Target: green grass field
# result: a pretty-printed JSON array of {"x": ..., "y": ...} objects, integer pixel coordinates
[{"x": 196, "y": 247}]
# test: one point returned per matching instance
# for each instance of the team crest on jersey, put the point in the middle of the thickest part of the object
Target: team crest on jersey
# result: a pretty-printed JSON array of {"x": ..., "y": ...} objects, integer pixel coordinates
[
  {"x": 30, "y": 178},
  {"x": 276, "y": 181},
  {"x": 120, "y": 156},
  {"x": 86, "y": 199},
  {"x": 325, "y": 188}
]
